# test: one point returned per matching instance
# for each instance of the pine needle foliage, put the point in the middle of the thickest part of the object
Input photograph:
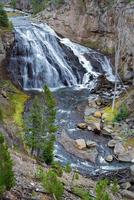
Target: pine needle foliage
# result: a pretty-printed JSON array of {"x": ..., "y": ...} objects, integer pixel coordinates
[
  {"x": 41, "y": 126},
  {"x": 7, "y": 179}
]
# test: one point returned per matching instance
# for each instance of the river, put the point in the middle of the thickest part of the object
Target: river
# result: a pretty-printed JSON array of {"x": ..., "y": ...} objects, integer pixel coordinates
[{"x": 40, "y": 56}]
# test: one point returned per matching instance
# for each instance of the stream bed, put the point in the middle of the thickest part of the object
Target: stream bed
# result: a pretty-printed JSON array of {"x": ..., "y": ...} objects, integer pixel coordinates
[{"x": 39, "y": 56}]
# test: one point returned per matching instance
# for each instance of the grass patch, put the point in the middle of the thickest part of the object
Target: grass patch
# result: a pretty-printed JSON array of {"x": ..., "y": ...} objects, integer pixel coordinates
[
  {"x": 82, "y": 193},
  {"x": 14, "y": 107},
  {"x": 109, "y": 114},
  {"x": 18, "y": 101},
  {"x": 121, "y": 114}
]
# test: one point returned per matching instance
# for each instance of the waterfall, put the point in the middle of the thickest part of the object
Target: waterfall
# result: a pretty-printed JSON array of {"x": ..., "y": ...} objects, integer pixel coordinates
[{"x": 40, "y": 56}]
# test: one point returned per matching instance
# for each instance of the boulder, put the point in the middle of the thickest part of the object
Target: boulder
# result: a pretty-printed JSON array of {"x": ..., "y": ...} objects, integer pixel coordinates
[
  {"x": 132, "y": 170},
  {"x": 82, "y": 125},
  {"x": 124, "y": 157},
  {"x": 126, "y": 185},
  {"x": 108, "y": 130},
  {"x": 112, "y": 143},
  {"x": 3, "y": 93},
  {"x": 127, "y": 194},
  {"x": 91, "y": 143},
  {"x": 98, "y": 114},
  {"x": 89, "y": 111},
  {"x": 81, "y": 144},
  {"x": 109, "y": 158},
  {"x": 119, "y": 149},
  {"x": 89, "y": 128},
  {"x": 99, "y": 101},
  {"x": 115, "y": 137},
  {"x": 96, "y": 128}
]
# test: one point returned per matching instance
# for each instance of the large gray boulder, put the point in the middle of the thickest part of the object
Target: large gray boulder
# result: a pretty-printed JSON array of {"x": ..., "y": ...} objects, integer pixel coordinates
[{"x": 119, "y": 149}]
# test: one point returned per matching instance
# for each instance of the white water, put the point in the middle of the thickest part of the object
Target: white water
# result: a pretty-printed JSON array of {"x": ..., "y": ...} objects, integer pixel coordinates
[{"x": 41, "y": 57}]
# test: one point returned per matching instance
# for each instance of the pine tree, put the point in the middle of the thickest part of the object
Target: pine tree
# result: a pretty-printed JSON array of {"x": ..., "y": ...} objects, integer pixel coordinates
[
  {"x": 41, "y": 128},
  {"x": 7, "y": 179},
  {"x": 3, "y": 17},
  {"x": 13, "y": 4},
  {"x": 34, "y": 126}
]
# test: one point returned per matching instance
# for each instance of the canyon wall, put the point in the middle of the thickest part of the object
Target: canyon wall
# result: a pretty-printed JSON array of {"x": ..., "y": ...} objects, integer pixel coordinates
[
  {"x": 98, "y": 24},
  {"x": 6, "y": 42}
]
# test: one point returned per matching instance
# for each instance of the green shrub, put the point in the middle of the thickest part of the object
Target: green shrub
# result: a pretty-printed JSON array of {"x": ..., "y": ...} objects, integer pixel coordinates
[
  {"x": 67, "y": 168},
  {"x": 57, "y": 168},
  {"x": 82, "y": 193},
  {"x": 1, "y": 115},
  {"x": 3, "y": 17},
  {"x": 101, "y": 190},
  {"x": 76, "y": 176},
  {"x": 13, "y": 3},
  {"x": 121, "y": 114},
  {"x": 39, "y": 6},
  {"x": 39, "y": 173},
  {"x": 114, "y": 186},
  {"x": 52, "y": 184},
  {"x": 48, "y": 150},
  {"x": 7, "y": 179}
]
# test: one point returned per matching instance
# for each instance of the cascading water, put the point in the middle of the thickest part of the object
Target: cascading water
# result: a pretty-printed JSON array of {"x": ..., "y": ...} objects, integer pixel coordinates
[{"x": 40, "y": 56}]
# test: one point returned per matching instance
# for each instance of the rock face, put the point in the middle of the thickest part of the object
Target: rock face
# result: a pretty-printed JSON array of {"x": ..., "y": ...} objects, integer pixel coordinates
[
  {"x": 132, "y": 170},
  {"x": 24, "y": 5},
  {"x": 102, "y": 24},
  {"x": 6, "y": 41}
]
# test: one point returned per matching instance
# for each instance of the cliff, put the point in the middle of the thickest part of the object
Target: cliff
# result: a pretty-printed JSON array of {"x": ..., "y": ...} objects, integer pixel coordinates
[
  {"x": 97, "y": 24},
  {"x": 6, "y": 41}
]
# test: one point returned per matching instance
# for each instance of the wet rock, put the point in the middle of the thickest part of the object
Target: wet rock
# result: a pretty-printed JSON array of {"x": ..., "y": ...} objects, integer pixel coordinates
[
  {"x": 70, "y": 146},
  {"x": 109, "y": 158},
  {"x": 96, "y": 128},
  {"x": 124, "y": 157},
  {"x": 99, "y": 101},
  {"x": 89, "y": 128},
  {"x": 98, "y": 114},
  {"x": 132, "y": 170},
  {"x": 108, "y": 130},
  {"x": 81, "y": 144},
  {"x": 115, "y": 137},
  {"x": 92, "y": 104},
  {"x": 91, "y": 143},
  {"x": 112, "y": 143},
  {"x": 89, "y": 111},
  {"x": 119, "y": 149},
  {"x": 126, "y": 185},
  {"x": 128, "y": 194},
  {"x": 82, "y": 125},
  {"x": 3, "y": 93}
]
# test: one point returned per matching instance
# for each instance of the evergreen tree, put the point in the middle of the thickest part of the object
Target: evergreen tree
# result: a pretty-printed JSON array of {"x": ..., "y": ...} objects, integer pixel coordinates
[
  {"x": 13, "y": 4},
  {"x": 41, "y": 128},
  {"x": 35, "y": 122},
  {"x": 3, "y": 17},
  {"x": 7, "y": 179}
]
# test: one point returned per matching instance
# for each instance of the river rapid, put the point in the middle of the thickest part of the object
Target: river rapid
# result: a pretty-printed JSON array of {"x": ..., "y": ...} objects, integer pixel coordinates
[{"x": 40, "y": 56}]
